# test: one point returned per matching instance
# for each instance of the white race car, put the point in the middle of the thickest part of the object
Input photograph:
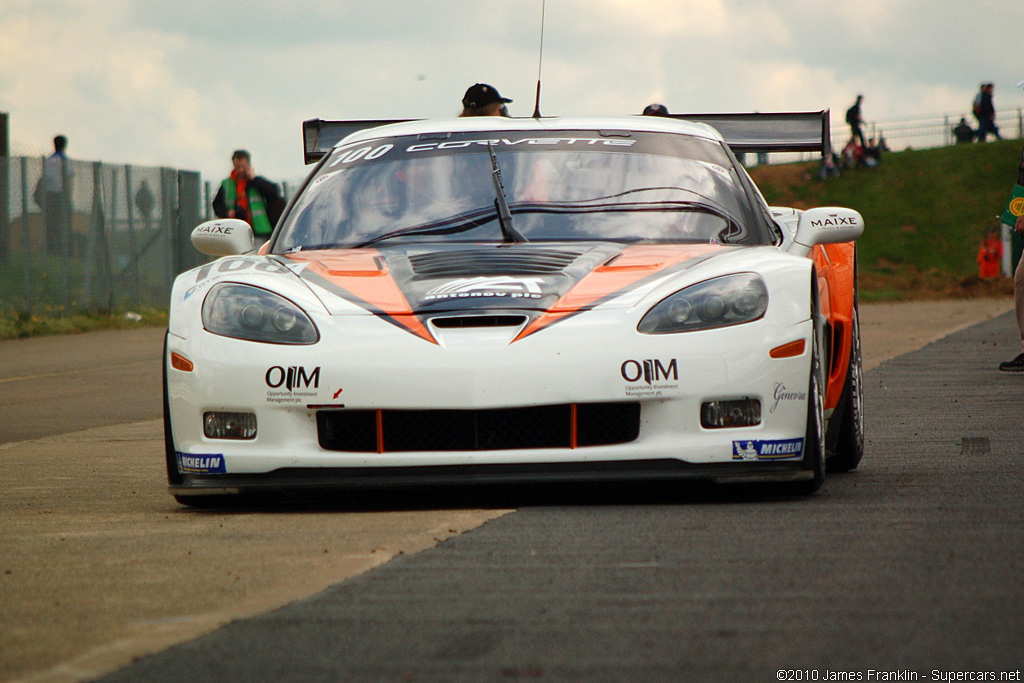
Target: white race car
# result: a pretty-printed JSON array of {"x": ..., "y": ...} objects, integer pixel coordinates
[{"x": 493, "y": 299}]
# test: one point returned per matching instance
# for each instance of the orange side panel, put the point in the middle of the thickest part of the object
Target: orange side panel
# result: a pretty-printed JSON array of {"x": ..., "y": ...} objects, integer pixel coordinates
[{"x": 836, "y": 284}]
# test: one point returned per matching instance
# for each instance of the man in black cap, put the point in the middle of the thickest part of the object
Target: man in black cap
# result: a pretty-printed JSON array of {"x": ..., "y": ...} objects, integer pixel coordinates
[
  {"x": 483, "y": 100},
  {"x": 656, "y": 110}
]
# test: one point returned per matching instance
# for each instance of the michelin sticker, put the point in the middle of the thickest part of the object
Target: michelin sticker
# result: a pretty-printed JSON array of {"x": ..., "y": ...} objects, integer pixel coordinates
[
  {"x": 201, "y": 464},
  {"x": 788, "y": 449}
]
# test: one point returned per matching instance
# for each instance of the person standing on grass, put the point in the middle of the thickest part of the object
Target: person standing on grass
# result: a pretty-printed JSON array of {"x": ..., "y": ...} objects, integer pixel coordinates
[
  {"x": 855, "y": 119},
  {"x": 987, "y": 113},
  {"x": 990, "y": 254}
]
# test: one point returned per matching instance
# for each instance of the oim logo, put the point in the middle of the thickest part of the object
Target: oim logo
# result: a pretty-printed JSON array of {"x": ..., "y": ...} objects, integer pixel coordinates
[
  {"x": 294, "y": 377},
  {"x": 649, "y": 371}
]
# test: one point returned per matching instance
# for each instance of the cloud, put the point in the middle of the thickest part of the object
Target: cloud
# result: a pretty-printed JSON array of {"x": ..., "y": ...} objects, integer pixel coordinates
[{"x": 183, "y": 83}]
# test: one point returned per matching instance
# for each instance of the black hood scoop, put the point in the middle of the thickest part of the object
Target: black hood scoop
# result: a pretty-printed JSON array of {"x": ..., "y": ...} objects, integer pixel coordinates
[{"x": 493, "y": 261}]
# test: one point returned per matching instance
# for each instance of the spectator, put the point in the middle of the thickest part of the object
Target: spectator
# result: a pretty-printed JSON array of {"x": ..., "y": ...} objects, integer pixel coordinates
[
  {"x": 829, "y": 168},
  {"x": 987, "y": 113},
  {"x": 872, "y": 153},
  {"x": 856, "y": 120},
  {"x": 656, "y": 109},
  {"x": 249, "y": 197},
  {"x": 56, "y": 182},
  {"x": 963, "y": 132},
  {"x": 484, "y": 100}
]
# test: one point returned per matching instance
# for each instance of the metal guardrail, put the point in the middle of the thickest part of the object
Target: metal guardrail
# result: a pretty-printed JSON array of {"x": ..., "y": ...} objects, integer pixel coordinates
[{"x": 904, "y": 134}]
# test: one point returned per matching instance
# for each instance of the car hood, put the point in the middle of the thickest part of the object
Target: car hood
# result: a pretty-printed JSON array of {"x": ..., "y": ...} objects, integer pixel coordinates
[{"x": 544, "y": 282}]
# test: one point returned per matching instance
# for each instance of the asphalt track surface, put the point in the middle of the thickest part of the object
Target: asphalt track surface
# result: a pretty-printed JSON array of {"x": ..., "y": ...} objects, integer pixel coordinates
[{"x": 907, "y": 569}]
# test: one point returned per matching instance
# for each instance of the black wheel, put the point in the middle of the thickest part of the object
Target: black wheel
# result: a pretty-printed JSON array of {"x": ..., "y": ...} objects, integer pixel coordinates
[
  {"x": 173, "y": 476},
  {"x": 814, "y": 434},
  {"x": 846, "y": 440},
  {"x": 208, "y": 502}
]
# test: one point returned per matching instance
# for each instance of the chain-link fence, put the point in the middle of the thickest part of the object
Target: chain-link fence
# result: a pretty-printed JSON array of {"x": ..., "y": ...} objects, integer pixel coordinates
[{"x": 88, "y": 236}]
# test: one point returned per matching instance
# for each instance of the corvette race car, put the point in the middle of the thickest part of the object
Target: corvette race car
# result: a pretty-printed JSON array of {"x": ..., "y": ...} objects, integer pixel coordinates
[{"x": 489, "y": 299}]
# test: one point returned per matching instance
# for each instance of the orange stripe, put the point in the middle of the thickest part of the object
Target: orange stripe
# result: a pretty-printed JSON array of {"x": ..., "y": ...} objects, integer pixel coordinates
[
  {"x": 365, "y": 275},
  {"x": 572, "y": 420},
  {"x": 632, "y": 265},
  {"x": 380, "y": 431}
]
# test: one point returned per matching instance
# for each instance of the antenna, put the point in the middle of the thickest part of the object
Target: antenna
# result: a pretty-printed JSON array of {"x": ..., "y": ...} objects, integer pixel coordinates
[{"x": 540, "y": 61}]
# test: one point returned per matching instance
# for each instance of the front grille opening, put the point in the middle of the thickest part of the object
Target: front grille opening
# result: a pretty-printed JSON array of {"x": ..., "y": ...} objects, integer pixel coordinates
[
  {"x": 558, "y": 426},
  {"x": 471, "y": 321}
]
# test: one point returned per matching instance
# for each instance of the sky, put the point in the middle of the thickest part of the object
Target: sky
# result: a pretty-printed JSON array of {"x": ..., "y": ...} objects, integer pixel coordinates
[{"x": 183, "y": 83}]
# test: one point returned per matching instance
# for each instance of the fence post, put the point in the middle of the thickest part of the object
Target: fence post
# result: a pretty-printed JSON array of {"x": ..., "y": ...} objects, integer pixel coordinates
[
  {"x": 90, "y": 249},
  {"x": 26, "y": 265},
  {"x": 66, "y": 219},
  {"x": 168, "y": 221},
  {"x": 5, "y": 186},
  {"x": 189, "y": 216},
  {"x": 133, "y": 256}
]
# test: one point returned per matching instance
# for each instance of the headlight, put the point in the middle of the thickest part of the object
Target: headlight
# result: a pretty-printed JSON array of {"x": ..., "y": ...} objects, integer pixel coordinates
[
  {"x": 251, "y": 313},
  {"x": 723, "y": 301}
]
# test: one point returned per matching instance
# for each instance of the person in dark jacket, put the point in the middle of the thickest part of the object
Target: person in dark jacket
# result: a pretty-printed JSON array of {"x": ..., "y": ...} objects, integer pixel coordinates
[
  {"x": 987, "y": 113},
  {"x": 963, "y": 131},
  {"x": 855, "y": 119},
  {"x": 249, "y": 197}
]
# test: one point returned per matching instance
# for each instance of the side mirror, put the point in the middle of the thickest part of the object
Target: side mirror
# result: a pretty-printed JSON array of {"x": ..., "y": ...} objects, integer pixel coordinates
[
  {"x": 224, "y": 237},
  {"x": 826, "y": 225}
]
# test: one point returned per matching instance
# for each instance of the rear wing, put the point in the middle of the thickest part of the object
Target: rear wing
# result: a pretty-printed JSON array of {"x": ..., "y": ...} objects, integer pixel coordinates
[
  {"x": 767, "y": 132},
  {"x": 770, "y": 132},
  {"x": 319, "y": 137}
]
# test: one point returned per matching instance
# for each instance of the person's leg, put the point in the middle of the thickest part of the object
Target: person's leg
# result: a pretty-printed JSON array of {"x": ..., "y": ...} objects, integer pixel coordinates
[
  {"x": 982, "y": 130},
  {"x": 1018, "y": 298},
  {"x": 1017, "y": 364}
]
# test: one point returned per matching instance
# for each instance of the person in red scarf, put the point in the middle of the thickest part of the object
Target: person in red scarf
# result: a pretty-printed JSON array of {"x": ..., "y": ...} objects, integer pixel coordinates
[{"x": 249, "y": 197}]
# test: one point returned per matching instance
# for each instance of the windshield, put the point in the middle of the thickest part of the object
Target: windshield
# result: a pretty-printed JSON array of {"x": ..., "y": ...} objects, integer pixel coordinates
[{"x": 558, "y": 186}]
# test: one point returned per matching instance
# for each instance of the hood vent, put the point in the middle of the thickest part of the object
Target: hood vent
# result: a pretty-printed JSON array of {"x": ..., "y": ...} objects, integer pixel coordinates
[
  {"x": 470, "y": 321},
  {"x": 475, "y": 262}
]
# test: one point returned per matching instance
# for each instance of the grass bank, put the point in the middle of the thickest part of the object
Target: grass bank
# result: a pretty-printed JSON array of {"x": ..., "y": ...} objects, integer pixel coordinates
[
  {"x": 19, "y": 325},
  {"x": 926, "y": 213}
]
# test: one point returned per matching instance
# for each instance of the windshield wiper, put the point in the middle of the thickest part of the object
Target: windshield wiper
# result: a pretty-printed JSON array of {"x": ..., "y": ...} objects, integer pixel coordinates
[
  {"x": 501, "y": 202},
  {"x": 445, "y": 226}
]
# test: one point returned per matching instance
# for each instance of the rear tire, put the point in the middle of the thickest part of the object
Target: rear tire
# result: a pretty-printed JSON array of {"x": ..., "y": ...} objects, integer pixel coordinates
[{"x": 848, "y": 448}]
